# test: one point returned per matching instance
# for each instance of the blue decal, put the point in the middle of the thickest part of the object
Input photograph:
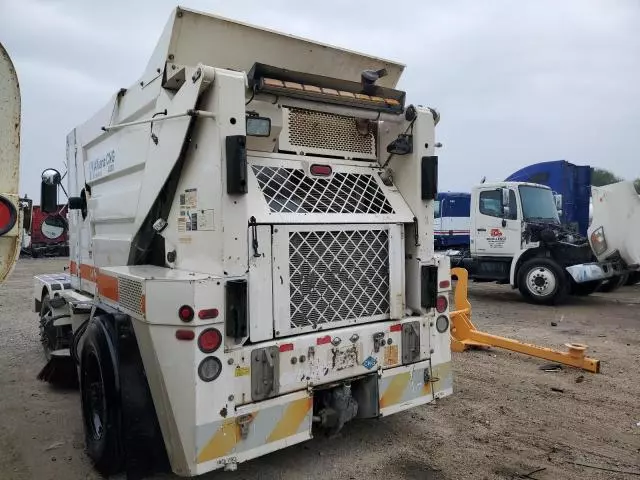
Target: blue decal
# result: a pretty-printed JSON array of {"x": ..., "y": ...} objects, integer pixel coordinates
[{"x": 369, "y": 363}]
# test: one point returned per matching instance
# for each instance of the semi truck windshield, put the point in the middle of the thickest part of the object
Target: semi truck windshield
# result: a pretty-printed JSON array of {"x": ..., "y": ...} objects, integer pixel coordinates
[{"x": 538, "y": 204}]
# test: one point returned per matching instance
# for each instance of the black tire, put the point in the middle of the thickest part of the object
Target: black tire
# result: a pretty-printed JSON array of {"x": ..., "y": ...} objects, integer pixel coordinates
[
  {"x": 634, "y": 277},
  {"x": 613, "y": 283},
  {"x": 586, "y": 288},
  {"x": 542, "y": 281},
  {"x": 101, "y": 412}
]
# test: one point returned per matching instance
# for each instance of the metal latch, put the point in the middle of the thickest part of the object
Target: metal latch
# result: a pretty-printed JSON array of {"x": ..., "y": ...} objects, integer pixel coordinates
[
  {"x": 378, "y": 341},
  {"x": 410, "y": 342},
  {"x": 243, "y": 422},
  {"x": 264, "y": 372}
]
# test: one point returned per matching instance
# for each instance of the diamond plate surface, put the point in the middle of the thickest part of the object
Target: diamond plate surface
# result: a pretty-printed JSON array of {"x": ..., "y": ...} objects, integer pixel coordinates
[
  {"x": 289, "y": 190},
  {"x": 338, "y": 275}
]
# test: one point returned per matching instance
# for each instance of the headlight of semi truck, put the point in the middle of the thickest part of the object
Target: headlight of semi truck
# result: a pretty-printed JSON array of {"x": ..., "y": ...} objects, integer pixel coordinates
[{"x": 598, "y": 241}]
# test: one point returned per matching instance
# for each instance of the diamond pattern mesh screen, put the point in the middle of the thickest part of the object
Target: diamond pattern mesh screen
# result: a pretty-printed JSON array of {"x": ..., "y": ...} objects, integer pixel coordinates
[
  {"x": 289, "y": 190},
  {"x": 327, "y": 131},
  {"x": 338, "y": 275},
  {"x": 130, "y": 294}
]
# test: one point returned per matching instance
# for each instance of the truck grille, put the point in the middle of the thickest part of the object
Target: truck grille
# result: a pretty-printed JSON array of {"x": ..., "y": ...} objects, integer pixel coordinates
[
  {"x": 337, "y": 276},
  {"x": 289, "y": 190}
]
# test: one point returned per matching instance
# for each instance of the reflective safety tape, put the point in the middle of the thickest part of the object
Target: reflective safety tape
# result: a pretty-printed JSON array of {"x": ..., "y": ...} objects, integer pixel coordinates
[{"x": 264, "y": 426}]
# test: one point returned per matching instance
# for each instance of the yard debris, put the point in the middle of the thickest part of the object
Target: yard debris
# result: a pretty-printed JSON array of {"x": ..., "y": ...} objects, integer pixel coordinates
[
  {"x": 53, "y": 446},
  {"x": 554, "y": 324},
  {"x": 556, "y": 389},
  {"x": 550, "y": 367},
  {"x": 580, "y": 379},
  {"x": 528, "y": 475}
]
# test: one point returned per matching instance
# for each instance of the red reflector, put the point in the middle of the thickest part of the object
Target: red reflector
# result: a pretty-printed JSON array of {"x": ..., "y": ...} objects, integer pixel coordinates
[
  {"x": 7, "y": 215},
  {"x": 185, "y": 334},
  {"x": 320, "y": 170},
  {"x": 445, "y": 284},
  {"x": 185, "y": 313},
  {"x": 208, "y": 313},
  {"x": 323, "y": 340},
  {"x": 286, "y": 347},
  {"x": 209, "y": 340},
  {"x": 396, "y": 328},
  {"x": 441, "y": 304}
]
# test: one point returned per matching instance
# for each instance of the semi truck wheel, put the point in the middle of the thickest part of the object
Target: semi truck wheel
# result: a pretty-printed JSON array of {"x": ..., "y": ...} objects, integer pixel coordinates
[
  {"x": 613, "y": 283},
  {"x": 634, "y": 277},
  {"x": 100, "y": 402},
  {"x": 542, "y": 281},
  {"x": 586, "y": 288}
]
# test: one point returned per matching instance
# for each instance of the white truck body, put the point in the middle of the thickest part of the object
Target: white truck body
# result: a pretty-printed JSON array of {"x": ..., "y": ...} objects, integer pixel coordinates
[
  {"x": 10, "y": 212},
  {"x": 616, "y": 212},
  {"x": 330, "y": 267}
]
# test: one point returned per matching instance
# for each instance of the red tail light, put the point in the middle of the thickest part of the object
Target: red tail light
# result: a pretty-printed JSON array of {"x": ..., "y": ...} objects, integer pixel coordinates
[
  {"x": 8, "y": 215},
  {"x": 445, "y": 284},
  {"x": 209, "y": 340},
  {"x": 185, "y": 334},
  {"x": 320, "y": 170},
  {"x": 208, "y": 313},
  {"x": 185, "y": 313},
  {"x": 441, "y": 303}
]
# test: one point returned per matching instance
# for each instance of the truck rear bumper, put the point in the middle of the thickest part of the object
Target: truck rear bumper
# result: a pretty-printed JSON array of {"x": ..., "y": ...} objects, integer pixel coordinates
[{"x": 589, "y": 272}]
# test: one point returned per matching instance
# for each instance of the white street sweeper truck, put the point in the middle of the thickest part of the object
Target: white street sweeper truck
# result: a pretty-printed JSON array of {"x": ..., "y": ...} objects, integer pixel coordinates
[
  {"x": 10, "y": 211},
  {"x": 251, "y": 238}
]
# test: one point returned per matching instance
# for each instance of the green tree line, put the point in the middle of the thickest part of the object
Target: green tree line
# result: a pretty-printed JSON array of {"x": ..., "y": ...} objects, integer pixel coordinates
[{"x": 600, "y": 177}]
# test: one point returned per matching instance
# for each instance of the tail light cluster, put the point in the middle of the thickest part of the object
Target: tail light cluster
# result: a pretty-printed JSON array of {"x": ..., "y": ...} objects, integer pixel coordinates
[
  {"x": 442, "y": 322},
  {"x": 208, "y": 342}
]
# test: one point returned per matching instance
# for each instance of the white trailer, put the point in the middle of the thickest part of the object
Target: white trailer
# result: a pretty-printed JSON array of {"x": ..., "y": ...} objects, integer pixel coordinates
[{"x": 251, "y": 236}]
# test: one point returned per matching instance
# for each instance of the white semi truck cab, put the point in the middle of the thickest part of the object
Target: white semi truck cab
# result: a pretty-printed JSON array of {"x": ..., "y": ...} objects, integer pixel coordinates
[
  {"x": 516, "y": 238},
  {"x": 251, "y": 236}
]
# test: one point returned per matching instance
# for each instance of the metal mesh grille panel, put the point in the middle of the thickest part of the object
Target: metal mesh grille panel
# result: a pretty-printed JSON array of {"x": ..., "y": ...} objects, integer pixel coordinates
[
  {"x": 288, "y": 190},
  {"x": 130, "y": 294},
  {"x": 338, "y": 275},
  {"x": 328, "y": 132}
]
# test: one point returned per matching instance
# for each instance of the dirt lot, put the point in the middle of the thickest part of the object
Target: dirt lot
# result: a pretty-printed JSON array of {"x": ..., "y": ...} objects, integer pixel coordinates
[{"x": 503, "y": 421}]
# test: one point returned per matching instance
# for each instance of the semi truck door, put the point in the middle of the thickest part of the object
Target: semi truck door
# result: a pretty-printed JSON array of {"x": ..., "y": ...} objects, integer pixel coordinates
[{"x": 496, "y": 225}]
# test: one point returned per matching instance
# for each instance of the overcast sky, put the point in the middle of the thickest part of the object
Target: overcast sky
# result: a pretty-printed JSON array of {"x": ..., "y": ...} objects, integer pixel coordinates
[{"x": 516, "y": 82}]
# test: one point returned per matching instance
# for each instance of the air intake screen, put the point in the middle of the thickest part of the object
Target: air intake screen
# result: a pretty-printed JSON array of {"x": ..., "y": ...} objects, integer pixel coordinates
[{"x": 288, "y": 190}]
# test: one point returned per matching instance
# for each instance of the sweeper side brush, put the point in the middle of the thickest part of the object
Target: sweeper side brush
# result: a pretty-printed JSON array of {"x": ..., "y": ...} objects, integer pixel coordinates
[{"x": 465, "y": 335}]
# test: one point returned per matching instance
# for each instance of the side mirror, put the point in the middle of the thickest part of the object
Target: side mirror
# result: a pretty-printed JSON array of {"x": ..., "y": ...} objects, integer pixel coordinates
[
  {"x": 505, "y": 198},
  {"x": 49, "y": 190},
  {"x": 558, "y": 199},
  {"x": 54, "y": 227}
]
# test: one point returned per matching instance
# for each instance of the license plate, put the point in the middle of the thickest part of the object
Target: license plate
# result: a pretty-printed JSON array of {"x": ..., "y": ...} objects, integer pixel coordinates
[{"x": 345, "y": 357}]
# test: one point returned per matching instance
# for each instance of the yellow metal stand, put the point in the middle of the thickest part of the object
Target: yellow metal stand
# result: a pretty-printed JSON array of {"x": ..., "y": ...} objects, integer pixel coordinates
[{"x": 464, "y": 334}]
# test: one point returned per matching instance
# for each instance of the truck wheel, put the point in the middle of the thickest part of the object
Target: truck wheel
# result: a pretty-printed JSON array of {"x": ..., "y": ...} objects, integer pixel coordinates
[
  {"x": 613, "y": 283},
  {"x": 100, "y": 404},
  {"x": 542, "y": 281},
  {"x": 586, "y": 288},
  {"x": 634, "y": 277}
]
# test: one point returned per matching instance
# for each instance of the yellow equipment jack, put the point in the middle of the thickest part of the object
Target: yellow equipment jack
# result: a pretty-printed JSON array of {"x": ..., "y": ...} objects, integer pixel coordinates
[{"x": 465, "y": 335}]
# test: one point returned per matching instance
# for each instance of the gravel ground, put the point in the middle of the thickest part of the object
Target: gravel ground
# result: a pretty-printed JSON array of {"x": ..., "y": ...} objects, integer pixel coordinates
[{"x": 502, "y": 422}]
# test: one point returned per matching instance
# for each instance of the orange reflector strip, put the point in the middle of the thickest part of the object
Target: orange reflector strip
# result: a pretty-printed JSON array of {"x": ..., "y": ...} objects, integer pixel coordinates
[
  {"x": 73, "y": 268},
  {"x": 396, "y": 328},
  {"x": 330, "y": 91},
  {"x": 391, "y": 101},
  {"x": 342, "y": 93},
  {"x": 377, "y": 99},
  {"x": 323, "y": 340},
  {"x": 108, "y": 287},
  {"x": 312, "y": 88},
  {"x": 295, "y": 86},
  {"x": 362, "y": 96},
  {"x": 286, "y": 347},
  {"x": 272, "y": 82}
]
